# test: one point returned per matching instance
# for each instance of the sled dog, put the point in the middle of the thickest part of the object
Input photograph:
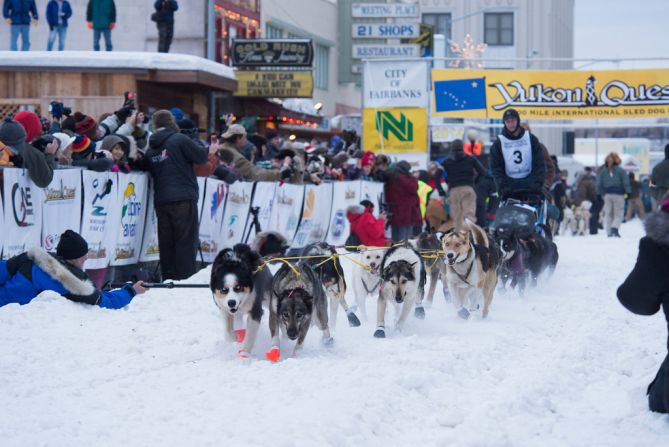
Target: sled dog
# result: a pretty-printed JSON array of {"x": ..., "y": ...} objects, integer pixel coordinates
[
  {"x": 435, "y": 266},
  {"x": 367, "y": 280}
]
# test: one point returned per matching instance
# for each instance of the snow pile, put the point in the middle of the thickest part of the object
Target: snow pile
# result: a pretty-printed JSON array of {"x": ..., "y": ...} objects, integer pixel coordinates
[{"x": 565, "y": 365}]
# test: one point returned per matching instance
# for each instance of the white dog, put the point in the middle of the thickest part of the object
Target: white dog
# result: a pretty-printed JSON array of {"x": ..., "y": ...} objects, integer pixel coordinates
[{"x": 367, "y": 281}]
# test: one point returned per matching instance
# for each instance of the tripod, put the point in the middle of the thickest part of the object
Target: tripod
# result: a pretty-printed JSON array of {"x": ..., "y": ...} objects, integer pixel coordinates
[{"x": 255, "y": 223}]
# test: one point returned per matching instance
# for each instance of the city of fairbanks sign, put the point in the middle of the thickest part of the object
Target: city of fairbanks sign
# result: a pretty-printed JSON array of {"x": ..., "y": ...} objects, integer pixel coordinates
[
  {"x": 395, "y": 84},
  {"x": 275, "y": 84},
  {"x": 394, "y": 130},
  {"x": 551, "y": 94}
]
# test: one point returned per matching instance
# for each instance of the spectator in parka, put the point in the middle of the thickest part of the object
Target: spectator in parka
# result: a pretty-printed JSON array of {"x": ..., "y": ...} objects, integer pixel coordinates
[
  {"x": 17, "y": 14},
  {"x": 22, "y": 155},
  {"x": 171, "y": 159},
  {"x": 613, "y": 183},
  {"x": 370, "y": 230},
  {"x": 401, "y": 191},
  {"x": 118, "y": 150},
  {"x": 101, "y": 18},
  {"x": 660, "y": 178},
  {"x": 25, "y": 276},
  {"x": 57, "y": 14},
  {"x": 165, "y": 22},
  {"x": 634, "y": 203}
]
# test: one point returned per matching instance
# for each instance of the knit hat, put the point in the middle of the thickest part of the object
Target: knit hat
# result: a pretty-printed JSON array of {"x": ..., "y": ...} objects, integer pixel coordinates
[
  {"x": 12, "y": 133},
  {"x": 82, "y": 146},
  {"x": 85, "y": 125},
  {"x": 164, "y": 119},
  {"x": 71, "y": 245},
  {"x": 65, "y": 140},
  {"x": 177, "y": 113},
  {"x": 110, "y": 141},
  {"x": 367, "y": 159},
  {"x": 31, "y": 123}
]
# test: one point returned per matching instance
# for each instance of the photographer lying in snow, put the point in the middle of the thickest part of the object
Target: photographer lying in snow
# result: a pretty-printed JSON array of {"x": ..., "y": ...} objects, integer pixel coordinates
[{"x": 25, "y": 276}]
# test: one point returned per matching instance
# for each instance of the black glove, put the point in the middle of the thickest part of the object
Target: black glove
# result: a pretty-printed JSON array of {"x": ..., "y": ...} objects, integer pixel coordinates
[
  {"x": 226, "y": 174},
  {"x": 16, "y": 160},
  {"x": 123, "y": 113},
  {"x": 286, "y": 173}
]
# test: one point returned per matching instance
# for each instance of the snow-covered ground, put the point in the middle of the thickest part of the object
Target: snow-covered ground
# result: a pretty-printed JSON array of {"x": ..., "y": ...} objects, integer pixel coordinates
[{"x": 564, "y": 365}]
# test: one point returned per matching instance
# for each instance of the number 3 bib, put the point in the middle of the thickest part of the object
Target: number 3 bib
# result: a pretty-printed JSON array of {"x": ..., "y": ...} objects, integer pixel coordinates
[{"x": 517, "y": 156}]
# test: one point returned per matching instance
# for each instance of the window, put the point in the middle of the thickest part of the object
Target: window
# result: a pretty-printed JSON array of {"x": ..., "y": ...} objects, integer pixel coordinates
[
  {"x": 321, "y": 67},
  {"x": 498, "y": 28},
  {"x": 440, "y": 23},
  {"x": 272, "y": 32}
]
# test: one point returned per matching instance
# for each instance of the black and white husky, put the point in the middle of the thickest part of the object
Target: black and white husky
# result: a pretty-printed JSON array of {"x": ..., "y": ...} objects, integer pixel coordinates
[
  {"x": 297, "y": 298},
  {"x": 239, "y": 289},
  {"x": 402, "y": 283}
]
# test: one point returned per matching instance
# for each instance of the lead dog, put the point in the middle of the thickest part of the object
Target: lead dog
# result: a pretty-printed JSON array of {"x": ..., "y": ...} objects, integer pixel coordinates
[
  {"x": 297, "y": 298},
  {"x": 240, "y": 289},
  {"x": 471, "y": 271},
  {"x": 403, "y": 283},
  {"x": 367, "y": 279}
]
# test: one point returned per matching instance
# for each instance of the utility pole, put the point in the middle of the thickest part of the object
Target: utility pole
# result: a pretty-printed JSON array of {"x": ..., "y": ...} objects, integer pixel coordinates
[{"x": 211, "y": 31}]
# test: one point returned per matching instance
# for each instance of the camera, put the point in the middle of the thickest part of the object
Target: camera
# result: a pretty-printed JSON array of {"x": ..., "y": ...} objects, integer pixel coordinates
[
  {"x": 385, "y": 208},
  {"x": 58, "y": 110},
  {"x": 129, "y": 99}
]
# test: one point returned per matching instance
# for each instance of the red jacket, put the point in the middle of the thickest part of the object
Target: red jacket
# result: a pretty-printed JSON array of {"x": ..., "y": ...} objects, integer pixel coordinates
[
  {"x": 402, "y": 197},
  {"x": 370, "y": 230}
]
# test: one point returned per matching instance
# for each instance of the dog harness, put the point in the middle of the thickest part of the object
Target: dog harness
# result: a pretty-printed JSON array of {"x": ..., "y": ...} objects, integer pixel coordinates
[
  {"x": 367, "y": 289},
  {"x": 469, "y": 270}
]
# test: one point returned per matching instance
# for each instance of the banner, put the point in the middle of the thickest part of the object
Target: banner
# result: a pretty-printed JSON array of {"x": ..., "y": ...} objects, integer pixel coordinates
[
  {"x": 385, "y": 30},
  {"x": 377, "y": 10},
  {"x": 275, "y": 84},
  {"x": 61, "y": 209},
  {"x": 395, "y": 84},
  {"x": 394, "y": 130},
  {"x": 287, "y": 210},
  {"x": 315, "y": 215},
  {"x": 236, "y": 213},
  {"x": 150, "y": 249},
  {"x": 366, "y": 51},
  {"x": 211, "y": 237},
  {"x": 551, "y": 94},
  {"x": 22, "y": 226},
  {"x": 444, "y": 134},
  {"x": 344, "y": 194},
  {"x": 263, "y": 201},
  {"x": 372, "y": 191},
  {"x": 131, "y": 208},
  {"x": 272, "y": 53},
  {"x": 99, "y": 216}
]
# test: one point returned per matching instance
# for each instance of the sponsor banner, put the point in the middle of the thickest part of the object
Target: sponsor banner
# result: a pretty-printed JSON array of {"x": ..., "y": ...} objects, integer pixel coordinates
[
  {"x": 287, "y": 210},
  {"x": 445, "y": 134},
  {"x": 551, "y": 94},
  {"x": 385, "y": 30},
  {"x": 395, "y": 84},
  {"x": 22, "y": 226},
  {"x": 372, "y": 191},
  {"x": 395, "y": 130},
  {"x": 315, "y": 215},
  {"x": 275, "y": 84},
  {"x": 61, "y": 209},
  {"x": 376, "y": 10},
  {"x": 272, "y": 53},
  {"x": 366, "y": 51},
  {"x": 99, "y": 216},
  {"x": 236, "y": 213},
  {"x": 211, "y": 221},
  {"x": 263, "y": 200},
  {"x": 131, "y": 207},
  {"x": 150, "y": 249},
  {"x": 344, "y": 194}
]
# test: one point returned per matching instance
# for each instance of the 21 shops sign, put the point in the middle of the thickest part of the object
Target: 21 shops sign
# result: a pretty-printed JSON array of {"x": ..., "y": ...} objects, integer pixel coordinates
[
  {"x": 395, "y": 130},
  {"x": 551, "y": 94}
]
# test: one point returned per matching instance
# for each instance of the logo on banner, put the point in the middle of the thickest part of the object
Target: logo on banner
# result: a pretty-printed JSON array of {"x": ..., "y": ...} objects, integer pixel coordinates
[
  {"x": 130, "y": 210},
  {"x": 51, "y": 241},
  {"x": 231, "y": 226},
  {"x": 57, "y": 194},
  {"x": 395, "y": 130},
  {"x": 400, "y": 127},
  {"x": 22, "y": 206},
  {"x": 99, "y": 210},
  {"x": 460, "y": 94},
  {"x": 240, "y": 199},
  {"x": 217, "y": 199},
  {"x": 309, "y": 204}
]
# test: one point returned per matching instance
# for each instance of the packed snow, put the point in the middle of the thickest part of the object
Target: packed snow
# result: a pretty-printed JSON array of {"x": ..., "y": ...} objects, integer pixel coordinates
[{"x": 564, "y": 365}]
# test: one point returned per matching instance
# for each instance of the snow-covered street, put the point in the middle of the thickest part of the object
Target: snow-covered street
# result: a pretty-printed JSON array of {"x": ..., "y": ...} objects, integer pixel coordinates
[{"x": 564, "y": 365}]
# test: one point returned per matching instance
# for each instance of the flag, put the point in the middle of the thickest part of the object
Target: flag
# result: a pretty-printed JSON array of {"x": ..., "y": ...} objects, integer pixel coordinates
[{"x": 459, "y": 94}]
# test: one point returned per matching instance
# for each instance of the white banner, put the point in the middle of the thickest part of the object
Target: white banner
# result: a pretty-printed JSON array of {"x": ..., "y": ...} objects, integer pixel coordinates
[
  {"x": 287, "y": 210},
  {"x": 211, "y": 236},
  {"x": 131, "y": 202},
  {"x": 150, "y": 250},
  {"x": 385, "y": 30},
  {"x": 315, "y": 215},
  {"x": 22, "y": 227},
  {"x": 99, "y": 216},
  {"x": 62, "y": 206},
  {"x": 445, "y": 134},
  {"x": 372, "y": 191},
  {"x": 263, "y": 199},
  {"x": 395, "y": 84},
  {"x": 380, "y": 50},
  {"x": 376, "y": 10},
  {"x": 236, "y": 213},
  {"x": 344, "y": 194}
]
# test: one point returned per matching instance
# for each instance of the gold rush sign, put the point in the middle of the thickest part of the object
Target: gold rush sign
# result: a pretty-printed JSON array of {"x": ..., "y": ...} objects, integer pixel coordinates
[{"x": 275, "y": 84}]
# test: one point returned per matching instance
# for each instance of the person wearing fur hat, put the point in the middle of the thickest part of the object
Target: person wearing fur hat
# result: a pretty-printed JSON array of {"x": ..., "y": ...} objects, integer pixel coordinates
[
  {"x": 171, "y": 161},
  {"x": 613, "y": 183},
  {"x": 25, "y": 276},
  {"x": 22, "y": 155},
  {"x": 646, "y": 290}
]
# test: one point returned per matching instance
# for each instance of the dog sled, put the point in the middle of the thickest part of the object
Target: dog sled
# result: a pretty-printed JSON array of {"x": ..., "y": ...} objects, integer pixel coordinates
[{"x": 521, "y": 214}]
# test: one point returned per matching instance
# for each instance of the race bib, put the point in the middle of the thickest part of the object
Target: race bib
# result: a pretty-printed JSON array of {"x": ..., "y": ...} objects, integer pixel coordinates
[{"x": 517, "y": 156}]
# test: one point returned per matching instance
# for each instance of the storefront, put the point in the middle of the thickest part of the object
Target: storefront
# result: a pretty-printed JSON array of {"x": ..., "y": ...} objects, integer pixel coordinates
[{"x": 235, "y": 19}]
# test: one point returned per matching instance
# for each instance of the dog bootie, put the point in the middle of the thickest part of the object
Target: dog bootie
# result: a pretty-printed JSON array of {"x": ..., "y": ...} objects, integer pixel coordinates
[
  {"x": 240, "y": 334},
  {"x": 327, "y": 341},
  {"x": 419, "y": 312},
  {"x": 353, "y": 320},
  {"x": 243, "y": 354},
  {"x": 380, "y": 332},
  {"x": 463, "y": 313},
  {"x": 447, "y": 294},
  {"x": 273, "y": 355}
]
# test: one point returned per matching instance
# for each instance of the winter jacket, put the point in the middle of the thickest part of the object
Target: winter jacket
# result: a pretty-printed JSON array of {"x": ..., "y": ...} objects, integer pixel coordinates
[
  {"x": 101, "y": 13},
  {"x": 170, "y": 159},
  {"x": 615, "y": 182},
  {"x": 230, "y": 155},
  {"x": 533, "y": 182},
  {"x": 25, "y": 276},
  {"x": 215, "y": 167},
  {"x": 97, "y": 162},
  {"x": 370, "y": 230},
  {"x": 461, "y": 169},
  {"x": 165, "y": 9},
  {"x": 402, "y": 198},
  {"x": 550, "y": 167},
  {"x": 660, "y": 179},
  {"x": 38, "y": 164},
  {"x": 57, "y": 13},
  {"x": 19, "y": 11},
  {"x": 646, "y": 289},
  {"x": 586, "y": 189}
]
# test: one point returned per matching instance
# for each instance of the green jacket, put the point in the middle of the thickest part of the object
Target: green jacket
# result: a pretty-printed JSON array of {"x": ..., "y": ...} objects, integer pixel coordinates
[
  {"x": 616, "y": 182},
  {"x": 101, "y": 12}
]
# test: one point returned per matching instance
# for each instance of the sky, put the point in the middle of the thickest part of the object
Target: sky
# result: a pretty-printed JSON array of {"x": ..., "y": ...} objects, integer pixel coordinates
[{"x": 621, "y": 29}]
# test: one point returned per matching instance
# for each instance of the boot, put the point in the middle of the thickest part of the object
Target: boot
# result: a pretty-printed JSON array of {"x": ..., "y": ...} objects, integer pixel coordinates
[{"x": 614, "y": 232}]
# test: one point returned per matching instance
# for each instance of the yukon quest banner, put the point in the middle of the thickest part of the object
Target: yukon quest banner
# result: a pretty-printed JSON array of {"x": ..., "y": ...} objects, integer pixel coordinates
[
  {"x": 272, "y": 53},
  {"x": 395, "y": 84},
  {"x": 551, "y": 94},
  {"x": 275, "y": 84},
  {"x": 395, "y": 130}
]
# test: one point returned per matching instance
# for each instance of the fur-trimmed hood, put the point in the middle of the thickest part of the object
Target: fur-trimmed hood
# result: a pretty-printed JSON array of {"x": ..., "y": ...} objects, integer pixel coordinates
[
  {"x": 657, "y": 227},
  {"x": 67, "y": 276},
  {"x": 269, "y": 242},
  {"x": 355, "y": 209}
]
